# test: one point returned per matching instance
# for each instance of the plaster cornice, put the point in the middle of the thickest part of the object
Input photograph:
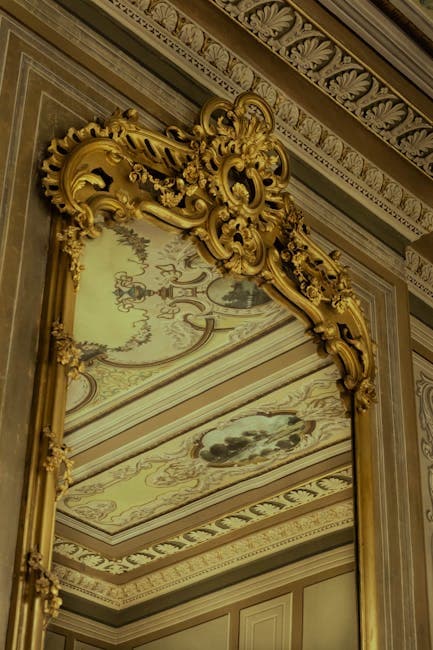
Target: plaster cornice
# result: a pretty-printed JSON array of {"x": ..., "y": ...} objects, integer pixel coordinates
[
  {"x": 421, "y": 333},
  {"x": 308, "y": 492},
  {"x": 419, "y": 274},
  {"x": 208, "y": 61},
  {"x": 232, "y": 595},
  {"x": 386, "y": 38},
  {"x": 305, "y": 46},
  {"x": 210, "y": 563}
]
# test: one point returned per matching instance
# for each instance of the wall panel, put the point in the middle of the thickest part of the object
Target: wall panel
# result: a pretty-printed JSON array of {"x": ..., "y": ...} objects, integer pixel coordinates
[
  {"x": 329, "y": 619},
  {"x": 267, "y": 626}
]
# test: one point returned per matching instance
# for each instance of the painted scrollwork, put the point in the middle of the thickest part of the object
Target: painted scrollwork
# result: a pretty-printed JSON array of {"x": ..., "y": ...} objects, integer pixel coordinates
[
  {"x": 47, "y": 586},
  {"x": 56, "y": 458},
  {"x": 223, "y": 183}
]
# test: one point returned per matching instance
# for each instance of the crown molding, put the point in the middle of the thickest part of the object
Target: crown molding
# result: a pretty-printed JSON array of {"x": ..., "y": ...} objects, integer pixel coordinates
[
  {"x": 226, "y": 597},
  {"x": 305, "y": 46},
  {"x": 308, "y": 492},
  {"x": 210, "y": 563},
  {"x": 415, "y": 15},
  {"x": 216, "y": 68},
  {"x": 381, "y": 33},
  {"x": 419, "y": 275},
  {"x": 421, "y": 333}
]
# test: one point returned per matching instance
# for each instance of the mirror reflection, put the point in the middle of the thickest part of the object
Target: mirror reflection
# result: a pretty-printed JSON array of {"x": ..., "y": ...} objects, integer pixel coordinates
[{"x": 212, "y": 500}]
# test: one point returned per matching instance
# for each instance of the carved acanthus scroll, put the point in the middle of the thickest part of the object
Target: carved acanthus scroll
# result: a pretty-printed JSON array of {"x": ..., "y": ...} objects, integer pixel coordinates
[{"x": 223, "y": 183}]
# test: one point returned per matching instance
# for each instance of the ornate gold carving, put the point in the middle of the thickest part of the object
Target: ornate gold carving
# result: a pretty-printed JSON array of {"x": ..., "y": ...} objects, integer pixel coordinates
[
  {"x": 306, "y": 47},
  {"x": 72, "y": 245},
  {"x": 47, "y": 586},
  {"x": 223, "y": 183},
  {"x": 67, "y": 353},
  {"x": 56, "y": 457},
  {"x": 192, "y": 45}
]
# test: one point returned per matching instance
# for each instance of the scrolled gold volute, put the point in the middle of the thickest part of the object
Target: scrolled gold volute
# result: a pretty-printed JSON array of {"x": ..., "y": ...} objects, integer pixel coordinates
[{"x": 223, "y": 183}]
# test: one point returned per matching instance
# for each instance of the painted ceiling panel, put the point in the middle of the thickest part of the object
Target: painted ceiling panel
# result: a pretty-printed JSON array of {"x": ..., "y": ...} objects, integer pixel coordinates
[
  {"x": 149, "y": 309},
  {"x": 273, "y": 431}
]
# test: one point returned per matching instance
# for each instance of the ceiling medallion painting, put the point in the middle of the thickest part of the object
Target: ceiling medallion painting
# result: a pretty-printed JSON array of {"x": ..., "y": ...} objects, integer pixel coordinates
[
  {"x": 207, "y": 464},
  {"x": 250, "y": 439},
  {"x": 179, "y": 471}
]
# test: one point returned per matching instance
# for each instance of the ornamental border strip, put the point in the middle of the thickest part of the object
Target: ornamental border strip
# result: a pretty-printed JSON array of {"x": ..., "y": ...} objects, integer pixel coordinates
[
  {"x": 307, "y": 492},
  {"x": 237, "y": 553},
  {"x": 296, "y": 39}
]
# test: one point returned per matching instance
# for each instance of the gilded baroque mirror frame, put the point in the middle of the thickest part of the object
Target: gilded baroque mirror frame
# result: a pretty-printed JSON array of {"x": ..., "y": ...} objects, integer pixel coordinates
[{"x": 224, "y": 185}]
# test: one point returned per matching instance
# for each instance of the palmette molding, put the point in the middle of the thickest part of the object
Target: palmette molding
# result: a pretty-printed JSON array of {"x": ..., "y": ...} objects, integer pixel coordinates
[
  {"x": 217, "y": 67},
  {"x": 210, "y": 563},
  {"x": 419, "y": 274},
  {"x": 308, "y": 492},
  {"x": 223, "y": 183},
  {"x": 303, "y": 45},
  {"x": 232, "y": 595}
]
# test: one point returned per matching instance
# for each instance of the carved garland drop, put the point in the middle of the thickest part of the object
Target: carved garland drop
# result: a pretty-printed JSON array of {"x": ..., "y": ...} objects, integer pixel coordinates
[
  {"x": 47, "y": 586},
  {"x": 67, "y": 352},
  {"x": 56, "y": 458},
  {"x": 224, "y": 184}
]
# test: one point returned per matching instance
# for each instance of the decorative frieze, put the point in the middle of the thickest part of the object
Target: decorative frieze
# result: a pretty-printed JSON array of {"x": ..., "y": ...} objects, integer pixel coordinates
[
  {"x": 227, "y": 73},
  {"x": 309, "y": 492},
  {"x": 305, "y": 46},
  {"x": 209, "y": 563}
]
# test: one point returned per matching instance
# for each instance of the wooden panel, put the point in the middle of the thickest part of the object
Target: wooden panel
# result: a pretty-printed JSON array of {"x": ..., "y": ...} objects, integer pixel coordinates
[
  {"x": 79, "y": 645},
  {"x": 330, "y": 619},
  {"x": 212, "y": 635},
  {"x": 267, "y": 626}
]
